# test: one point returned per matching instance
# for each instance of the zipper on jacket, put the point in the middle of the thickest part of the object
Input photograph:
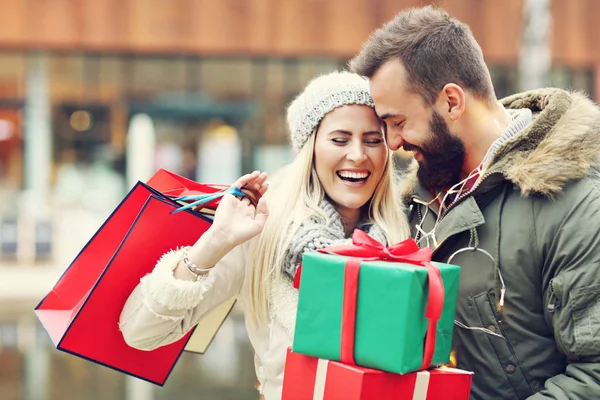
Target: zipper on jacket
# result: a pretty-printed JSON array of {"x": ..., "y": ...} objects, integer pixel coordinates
[
  {"x": 554, "y": 303},
  {"x": 463, "y": 196},
  {"x": 420, "y": 216},
  {"x": 553, "y": 306}
]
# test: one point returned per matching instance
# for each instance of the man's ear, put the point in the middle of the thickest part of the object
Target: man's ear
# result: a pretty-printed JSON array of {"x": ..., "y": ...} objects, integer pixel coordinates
[{"x": 452, "y": 101}]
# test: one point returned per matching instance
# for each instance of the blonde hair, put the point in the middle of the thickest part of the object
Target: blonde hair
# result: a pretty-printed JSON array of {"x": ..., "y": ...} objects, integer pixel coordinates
[{"x": 294, "y": 196}]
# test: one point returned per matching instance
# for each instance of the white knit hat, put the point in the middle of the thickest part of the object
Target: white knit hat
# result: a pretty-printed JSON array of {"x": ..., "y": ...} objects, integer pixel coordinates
[{"x": 322, "y": 95}]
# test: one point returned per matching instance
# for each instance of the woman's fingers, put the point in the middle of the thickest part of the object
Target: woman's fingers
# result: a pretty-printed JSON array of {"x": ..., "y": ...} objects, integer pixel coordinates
[
  {"x": 245, "y": 201},
  {"x": 261, "y": 185},
  {"x": 255, "y": 181},
  {"x": 258, "y": 185},
  {"x": 247, "y": 179},
  {"x": 262, "y": 212},
  {"x": 263, "y": 189},
  {"x": 262, "y": 178}
]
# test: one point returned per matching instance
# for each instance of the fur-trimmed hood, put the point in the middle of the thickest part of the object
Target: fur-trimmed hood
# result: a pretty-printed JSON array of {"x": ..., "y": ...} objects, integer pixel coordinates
[{"x": 562, "y": 144}]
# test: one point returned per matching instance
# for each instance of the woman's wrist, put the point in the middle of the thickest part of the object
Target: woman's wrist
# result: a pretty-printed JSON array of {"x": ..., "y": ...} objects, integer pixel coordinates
[
  {"x": 198, "y": 259},
  {"x": 210, "y": 248}
]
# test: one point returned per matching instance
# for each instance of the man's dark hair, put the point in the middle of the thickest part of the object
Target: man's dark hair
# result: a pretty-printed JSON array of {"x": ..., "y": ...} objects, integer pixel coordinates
[{"x": 433, "y": 48}]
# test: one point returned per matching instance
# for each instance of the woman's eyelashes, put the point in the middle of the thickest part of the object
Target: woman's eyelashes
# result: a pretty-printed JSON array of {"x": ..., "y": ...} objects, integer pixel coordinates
[
  {"x": 374, "y": 142},
  {"x": 368, "y": 141},
  {"x": 340, "y": 141}
]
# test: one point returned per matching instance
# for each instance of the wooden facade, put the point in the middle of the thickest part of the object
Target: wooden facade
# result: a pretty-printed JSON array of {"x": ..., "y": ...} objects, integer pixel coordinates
[{"x": 274, "y": 27}]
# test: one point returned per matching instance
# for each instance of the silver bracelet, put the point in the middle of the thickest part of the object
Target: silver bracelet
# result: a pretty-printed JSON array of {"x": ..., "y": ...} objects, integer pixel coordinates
[{"x": 190, "y": 266}]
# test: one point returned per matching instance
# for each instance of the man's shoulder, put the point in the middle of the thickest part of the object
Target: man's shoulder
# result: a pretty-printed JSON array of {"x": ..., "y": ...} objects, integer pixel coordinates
[
  {"x": 586, "y": 187},
  {"x": 581, "y": 193}
]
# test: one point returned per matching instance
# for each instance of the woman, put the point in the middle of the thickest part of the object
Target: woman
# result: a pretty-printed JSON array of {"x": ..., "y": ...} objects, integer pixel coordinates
[{"x": 340, "y": 179}]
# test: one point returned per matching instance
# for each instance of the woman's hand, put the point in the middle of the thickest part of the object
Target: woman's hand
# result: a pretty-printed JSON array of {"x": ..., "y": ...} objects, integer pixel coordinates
[{"x": 237, "y": 220}]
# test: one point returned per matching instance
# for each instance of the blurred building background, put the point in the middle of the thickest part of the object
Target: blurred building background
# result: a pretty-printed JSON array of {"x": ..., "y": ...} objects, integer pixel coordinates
[{"x": 96, "y": 94}]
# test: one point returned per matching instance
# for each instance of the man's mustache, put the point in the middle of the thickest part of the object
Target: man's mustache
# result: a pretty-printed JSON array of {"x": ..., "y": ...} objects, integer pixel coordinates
[{"x": 411, "y": 147}]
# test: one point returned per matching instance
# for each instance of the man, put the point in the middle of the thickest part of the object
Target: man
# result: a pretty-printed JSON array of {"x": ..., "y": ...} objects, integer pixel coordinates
[{"x": 516, "y": 179}]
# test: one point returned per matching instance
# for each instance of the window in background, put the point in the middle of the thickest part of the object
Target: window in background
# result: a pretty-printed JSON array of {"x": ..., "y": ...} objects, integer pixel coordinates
[
  {"x": 104, "y": 75},
  {"x": 505, "y": 79},
  {"x": 193, "y": 75},
  {"x": 568, "y": 78},
  {"x": 92, "y": 73},
  {"x": 276, "y": 97},
  {"x": 66, "y": 78},
  {"x": 275, "y": 78},
  {"x": 149, "y": 77},
  {"x": 176, "y": 70},
  {"x": 229, "y": 78}
]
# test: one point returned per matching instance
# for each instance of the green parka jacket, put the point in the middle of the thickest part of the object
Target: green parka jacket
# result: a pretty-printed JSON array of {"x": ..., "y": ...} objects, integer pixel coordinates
[{"x": 537, "y": 213}]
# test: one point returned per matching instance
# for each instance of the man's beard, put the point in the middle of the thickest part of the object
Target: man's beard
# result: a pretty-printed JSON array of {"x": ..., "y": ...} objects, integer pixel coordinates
[{"x": 443, "y": 156}]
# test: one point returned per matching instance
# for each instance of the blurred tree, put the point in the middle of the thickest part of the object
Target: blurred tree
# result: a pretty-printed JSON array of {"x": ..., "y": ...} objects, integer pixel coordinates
[{"x": 534, "y": 57}]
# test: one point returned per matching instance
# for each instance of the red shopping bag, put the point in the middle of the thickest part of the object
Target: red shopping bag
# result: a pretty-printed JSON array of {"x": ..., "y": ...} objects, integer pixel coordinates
[{"x": 82, "y": 311}]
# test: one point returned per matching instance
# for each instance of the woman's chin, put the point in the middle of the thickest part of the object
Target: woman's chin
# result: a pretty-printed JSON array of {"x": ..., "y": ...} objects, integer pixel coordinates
[{"x": 350, "y": 204}]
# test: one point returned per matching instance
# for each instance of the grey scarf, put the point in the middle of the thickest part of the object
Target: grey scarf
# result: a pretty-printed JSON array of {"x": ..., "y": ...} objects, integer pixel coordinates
[{"x": 314, "y": 235}]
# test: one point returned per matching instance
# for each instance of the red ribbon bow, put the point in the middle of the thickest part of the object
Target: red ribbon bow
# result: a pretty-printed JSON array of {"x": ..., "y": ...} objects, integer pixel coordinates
[{"x": 365, "y": 248}]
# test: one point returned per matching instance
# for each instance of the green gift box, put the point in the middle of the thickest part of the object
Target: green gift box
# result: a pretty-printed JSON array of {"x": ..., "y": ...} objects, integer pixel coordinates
[{"x": 390, "y": 327}]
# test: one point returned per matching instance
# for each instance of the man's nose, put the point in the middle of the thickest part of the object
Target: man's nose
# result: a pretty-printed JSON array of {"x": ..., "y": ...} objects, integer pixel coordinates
[{"x": 394, "y": 141}]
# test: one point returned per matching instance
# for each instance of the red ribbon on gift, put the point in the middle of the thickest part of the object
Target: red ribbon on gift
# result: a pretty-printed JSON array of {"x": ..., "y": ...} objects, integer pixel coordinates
[{"x": 365, "y": 248}]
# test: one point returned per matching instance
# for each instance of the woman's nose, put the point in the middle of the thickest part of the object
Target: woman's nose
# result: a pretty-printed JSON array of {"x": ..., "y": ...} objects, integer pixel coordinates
[{"x": 357, "y": 153}]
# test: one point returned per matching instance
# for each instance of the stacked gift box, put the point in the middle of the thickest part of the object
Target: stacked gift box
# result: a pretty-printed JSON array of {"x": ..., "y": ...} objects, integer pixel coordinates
[{"x": 374, "y": 322}]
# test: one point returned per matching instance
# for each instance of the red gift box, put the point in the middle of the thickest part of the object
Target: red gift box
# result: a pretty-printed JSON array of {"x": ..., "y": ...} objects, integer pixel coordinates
[
  {"x": 81, "y": 313},
  {"x": 310, "y": 378}
]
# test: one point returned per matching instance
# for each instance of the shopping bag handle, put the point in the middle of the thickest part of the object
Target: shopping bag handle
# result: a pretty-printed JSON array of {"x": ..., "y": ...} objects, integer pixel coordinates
[{"x": 198, "y": 200}]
